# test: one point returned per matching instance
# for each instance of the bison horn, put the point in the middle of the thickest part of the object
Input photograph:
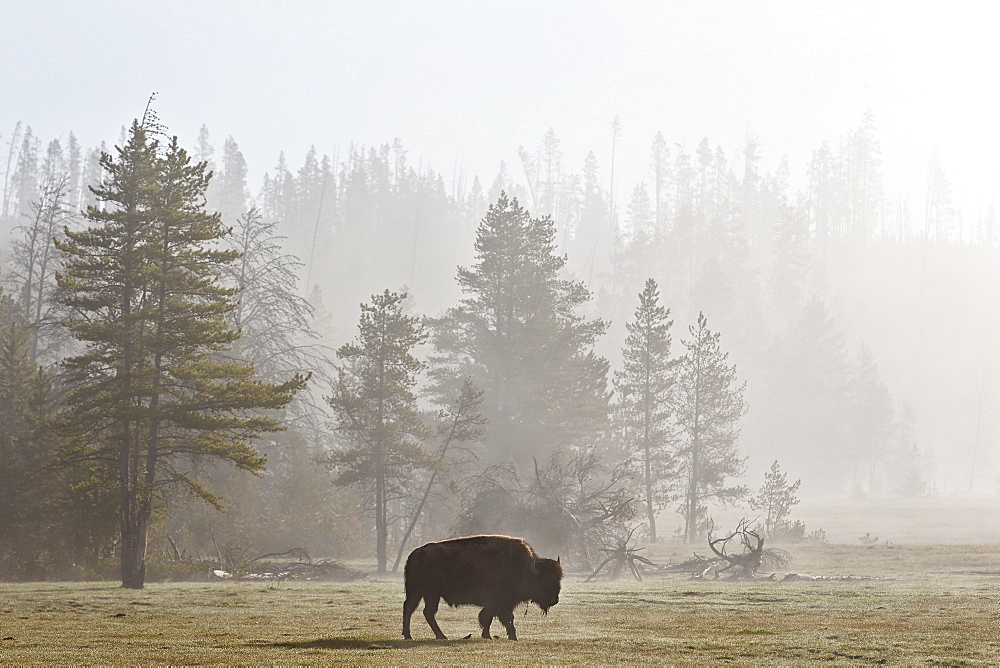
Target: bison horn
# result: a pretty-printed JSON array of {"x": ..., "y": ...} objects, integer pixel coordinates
[
  {"x": 535, "y": 570},
  {"x": 557, "y": 559}
]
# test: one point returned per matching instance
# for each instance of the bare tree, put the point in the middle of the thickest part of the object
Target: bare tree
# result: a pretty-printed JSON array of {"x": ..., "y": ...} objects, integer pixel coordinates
[
  {"x": 274, "y": 321},
  {"x": 35, "y": 261},
  {"x": 13, "y": 155},
  {"x": 622, "y": 556},
  {"x": 572, "y": 502},
  {"x": 459, "y": 423}
]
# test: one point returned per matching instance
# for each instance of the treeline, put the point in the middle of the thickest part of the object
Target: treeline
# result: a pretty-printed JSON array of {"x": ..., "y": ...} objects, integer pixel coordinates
[{"x": 544, "y": 392}]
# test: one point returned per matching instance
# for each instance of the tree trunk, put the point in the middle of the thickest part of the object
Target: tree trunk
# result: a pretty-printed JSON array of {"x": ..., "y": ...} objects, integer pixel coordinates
[
  {"x": 381, "y": 534},
  {"x": 134, "y": 522},
  {"x": 692, "y": 501},
  {"x": 416, "y": 516},
  {"x": 650, "y": 515},
  {"x": 133, "y": 552}
]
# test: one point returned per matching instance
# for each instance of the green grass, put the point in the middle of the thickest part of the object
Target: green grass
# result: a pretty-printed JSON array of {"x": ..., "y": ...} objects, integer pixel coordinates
[{"x": 940, "y": 607}]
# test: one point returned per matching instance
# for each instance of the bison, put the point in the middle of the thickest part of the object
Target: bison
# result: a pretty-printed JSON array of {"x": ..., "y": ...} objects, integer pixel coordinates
[{"x": 494, "y": 572}]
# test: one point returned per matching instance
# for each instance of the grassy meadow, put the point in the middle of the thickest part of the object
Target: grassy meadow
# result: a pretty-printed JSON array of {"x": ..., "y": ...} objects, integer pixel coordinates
[{"x": 935, "y": 604}]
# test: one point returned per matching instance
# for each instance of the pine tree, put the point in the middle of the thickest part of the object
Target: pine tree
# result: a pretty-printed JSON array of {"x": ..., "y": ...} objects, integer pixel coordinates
[
  {"x": 28, "y": 406},
  {"x": 232, "y": 182},
  {"x": 939, "y": 212},
  {"x": 869, "y": 419},
  {"x": 807, "y": 379},
  {"x": 593, "y": 231},
  {"x": 151, "y": 390},
  {"x": 776, "y": 498},
  {"x": 660, "y": 164},
  {"x": 518, "y": 335},
  {"x": 645, "y": 387},
  {"x": 24, "y": 181},
  {"x": 863, "y": 179},
  {"x": 639, "y": 215},
  {"x": 709, "y": 407},
  {"x": 74, "y": 168},
  {"x": 376, "y": 408}
]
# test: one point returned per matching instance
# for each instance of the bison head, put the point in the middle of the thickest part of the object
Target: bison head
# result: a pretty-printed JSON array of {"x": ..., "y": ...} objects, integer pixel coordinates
[{"x": 545, "y": 581}]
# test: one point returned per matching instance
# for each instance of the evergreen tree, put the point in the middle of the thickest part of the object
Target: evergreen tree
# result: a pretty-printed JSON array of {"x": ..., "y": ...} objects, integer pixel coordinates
[
  {"x": 645, "y": 387},
  {"x": 939, "y": 212},
  {"x": 790, "y": 269},
  {"x": 806, "y": 394},
  {"x": 863, "y": 180},
  {"x": 74, "y": 168},
  {"x": 660, "y": 164},
  {"x": 376, "y": 409},
  {"x": 150, "y": 391},
  {"x": 24, "y": 182},
  {"x": 639, "y": 215},
  {"x": 869, "y": 419},
  {"x": 776, "y": 498},
  {"x": 820, "y": 204},
  {"x": 28, "y": 406},
  {"x": 232, "y": 182},
  {"x": 204, "y": 150},
  {"x": 709, "y": 407},
  {"x": 593, "y": 230},
  {"x": 518, "y": 335}
]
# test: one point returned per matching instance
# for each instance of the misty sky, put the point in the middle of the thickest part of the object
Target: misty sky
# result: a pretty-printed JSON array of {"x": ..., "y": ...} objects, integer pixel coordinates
[{"x": 468, "y": 82}]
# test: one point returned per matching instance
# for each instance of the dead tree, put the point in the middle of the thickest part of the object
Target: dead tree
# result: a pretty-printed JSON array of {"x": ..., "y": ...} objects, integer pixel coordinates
[
  {"x": 589, "y": 496},
  {"x": 745, "y": 562},
  {"x": 621, "y": 556},
  {"x": 461, "y": 422},
  {"x": 572, "y": 503}
]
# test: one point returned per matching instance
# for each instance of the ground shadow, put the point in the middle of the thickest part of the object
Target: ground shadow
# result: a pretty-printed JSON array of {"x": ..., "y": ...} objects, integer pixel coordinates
[{"x": 360, "y": 643}]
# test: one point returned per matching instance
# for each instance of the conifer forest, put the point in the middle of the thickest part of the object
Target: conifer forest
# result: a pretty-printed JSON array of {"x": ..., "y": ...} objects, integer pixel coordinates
[{"x": 347, "y": 349}]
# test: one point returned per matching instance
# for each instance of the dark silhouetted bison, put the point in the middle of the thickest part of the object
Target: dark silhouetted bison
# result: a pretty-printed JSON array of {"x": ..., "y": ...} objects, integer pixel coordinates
[{"x": 495, "y": 572}]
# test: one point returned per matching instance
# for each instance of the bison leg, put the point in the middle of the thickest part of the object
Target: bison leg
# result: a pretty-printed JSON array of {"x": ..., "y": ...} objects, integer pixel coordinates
[
  {"x": 430, "y": 609},
  {"x": 409, "y": 605},
  {"x": 507, "y": 619},
  {"x": 485, "y": 620}
]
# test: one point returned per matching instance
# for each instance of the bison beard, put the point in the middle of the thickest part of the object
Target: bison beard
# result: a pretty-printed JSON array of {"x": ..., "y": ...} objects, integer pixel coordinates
[{"x": 494, "y": 572}]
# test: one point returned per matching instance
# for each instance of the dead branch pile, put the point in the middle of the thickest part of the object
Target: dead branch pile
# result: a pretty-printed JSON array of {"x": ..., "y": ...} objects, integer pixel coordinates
[
  {"x": 696, "y": 564},
  {"x": 236, "y": 562},
  {"x": 324, "y": 570},
  {"x": 801, "y": 577}
]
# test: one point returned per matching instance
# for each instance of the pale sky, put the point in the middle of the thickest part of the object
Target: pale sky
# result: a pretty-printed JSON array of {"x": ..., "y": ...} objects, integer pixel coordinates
[{"x": 468, "y": 82}]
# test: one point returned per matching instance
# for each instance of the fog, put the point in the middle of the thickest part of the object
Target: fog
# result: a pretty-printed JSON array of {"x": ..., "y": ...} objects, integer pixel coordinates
[{"x": 827, "y": 197}]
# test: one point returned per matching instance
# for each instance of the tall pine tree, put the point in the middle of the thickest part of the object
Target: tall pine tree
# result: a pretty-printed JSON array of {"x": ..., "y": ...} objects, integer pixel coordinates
[
  {"x": 151, "y": 390},
  {"x": 28, "y": 405},
  {"x": 376, "y": 409},
  {"x": 645, "y": 387},
  {"x": 519, "y": 335},
  {"x": 709, "y": 407}
]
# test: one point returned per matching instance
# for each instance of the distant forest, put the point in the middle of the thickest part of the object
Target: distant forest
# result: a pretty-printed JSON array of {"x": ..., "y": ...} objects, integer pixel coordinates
[{"x": 850, "y": 336}]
